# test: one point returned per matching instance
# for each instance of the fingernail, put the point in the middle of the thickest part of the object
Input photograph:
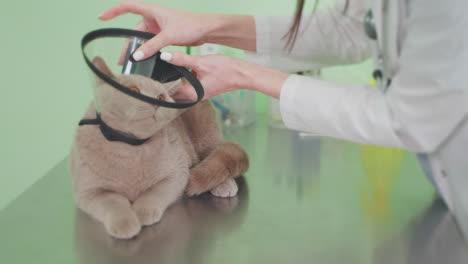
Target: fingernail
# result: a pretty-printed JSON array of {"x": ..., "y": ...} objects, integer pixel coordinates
[
  {"x": 138, "y": 55},
  {"x": 166, "y": 56}
]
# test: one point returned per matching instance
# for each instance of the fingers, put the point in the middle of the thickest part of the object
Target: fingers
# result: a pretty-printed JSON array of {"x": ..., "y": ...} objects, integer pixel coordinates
[
  {"x": 180, "y": 59},
  {"x": 141, "y": 27},
  {"x": 146, "y": 10},
  {"x": 125, "y": 7},
  {"x": 152, "y": 46}
]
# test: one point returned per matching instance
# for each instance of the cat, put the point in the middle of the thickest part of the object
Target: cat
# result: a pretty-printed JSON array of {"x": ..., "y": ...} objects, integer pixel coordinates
[{"x": 126, "y": 186}]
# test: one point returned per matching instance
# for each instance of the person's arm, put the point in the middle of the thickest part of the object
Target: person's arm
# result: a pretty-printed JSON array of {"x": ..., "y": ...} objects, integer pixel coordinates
[
  {"x": 185, "y": 28},
  {"x": 237, "y": 31},
  {"x": 428, "y": 97},
  {"x": 220, "y": 74},
  {"x": 328, "y": 36}
]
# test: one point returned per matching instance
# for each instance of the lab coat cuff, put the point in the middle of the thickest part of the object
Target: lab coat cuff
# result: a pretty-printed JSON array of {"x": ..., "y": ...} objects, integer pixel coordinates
[
  {"x": 263, "y": 33},
  {"x": 288, "y": 102},
  {"x": 263, "y": 42}
]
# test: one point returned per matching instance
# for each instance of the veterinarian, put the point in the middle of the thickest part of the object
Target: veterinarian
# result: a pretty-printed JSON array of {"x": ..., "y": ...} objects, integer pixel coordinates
[{"x": 420, "y": 54}]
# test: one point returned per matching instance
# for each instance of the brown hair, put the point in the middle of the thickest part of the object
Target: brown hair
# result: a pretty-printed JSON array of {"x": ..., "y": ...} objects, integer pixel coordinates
[{"x": 293, "y": 31}]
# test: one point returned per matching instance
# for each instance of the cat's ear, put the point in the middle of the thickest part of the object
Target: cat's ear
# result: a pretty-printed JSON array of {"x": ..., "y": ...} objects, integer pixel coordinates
[
  {"x": 102, "y": 66},
  {"x": 171, "y": 87}
]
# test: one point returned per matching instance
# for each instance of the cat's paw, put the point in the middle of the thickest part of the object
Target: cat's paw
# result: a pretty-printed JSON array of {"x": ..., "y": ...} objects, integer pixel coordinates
[
  {"x": 228, "y": 188},
  {"x": 123, "y": 227},
  {"x": 197, "y": 183},
  {"x": 147, "y": 215},
  {"x": 193, "y": 188}
]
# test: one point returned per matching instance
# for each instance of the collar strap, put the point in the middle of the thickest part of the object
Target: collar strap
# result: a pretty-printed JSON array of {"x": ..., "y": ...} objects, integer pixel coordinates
[{"x": 112, "y": 134}]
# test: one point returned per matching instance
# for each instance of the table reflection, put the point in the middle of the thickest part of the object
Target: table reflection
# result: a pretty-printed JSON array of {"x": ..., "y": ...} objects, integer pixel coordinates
[{"x": 186, "y": 234}]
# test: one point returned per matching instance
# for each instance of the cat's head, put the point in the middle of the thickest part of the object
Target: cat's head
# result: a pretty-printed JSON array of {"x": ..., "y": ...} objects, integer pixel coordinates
[{"x": 127, "y": 114}]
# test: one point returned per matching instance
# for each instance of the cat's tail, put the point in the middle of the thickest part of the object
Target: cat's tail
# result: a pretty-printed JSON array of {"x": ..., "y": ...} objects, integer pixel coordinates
[{"x": 228, "y": 160}]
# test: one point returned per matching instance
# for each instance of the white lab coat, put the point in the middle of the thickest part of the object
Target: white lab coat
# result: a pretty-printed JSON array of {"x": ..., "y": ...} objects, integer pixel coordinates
[{"x": 422, "y": 47}]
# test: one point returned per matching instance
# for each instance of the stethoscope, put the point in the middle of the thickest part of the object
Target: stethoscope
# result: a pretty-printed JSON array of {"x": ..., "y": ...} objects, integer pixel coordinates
[{"x": 371, "y": 32}]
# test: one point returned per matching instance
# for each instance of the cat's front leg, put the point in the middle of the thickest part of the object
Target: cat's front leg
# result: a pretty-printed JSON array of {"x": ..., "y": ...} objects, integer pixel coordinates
[
  {"x": 114, "y": 211},
  {"x": 150, "y": 206},
  {"x": 217, "y": 170}
]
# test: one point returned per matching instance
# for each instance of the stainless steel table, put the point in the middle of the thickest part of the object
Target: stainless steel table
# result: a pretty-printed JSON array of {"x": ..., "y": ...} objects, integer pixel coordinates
[{"x": 305, "y": 199}]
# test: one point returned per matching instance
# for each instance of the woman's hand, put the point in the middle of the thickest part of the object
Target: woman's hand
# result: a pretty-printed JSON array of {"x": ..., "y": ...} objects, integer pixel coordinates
[
  {"x": 172, "y": 26},
  {"x": 219, "y": 74},
  {"x": 183, "y": 28}
]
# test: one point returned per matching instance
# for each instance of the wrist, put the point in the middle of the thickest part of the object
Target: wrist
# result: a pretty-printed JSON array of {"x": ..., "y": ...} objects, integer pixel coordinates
[
  {"x": 236, "y": 31},
  {"x": 259, "y": 78},
  {"x": 213, "y": 26}
]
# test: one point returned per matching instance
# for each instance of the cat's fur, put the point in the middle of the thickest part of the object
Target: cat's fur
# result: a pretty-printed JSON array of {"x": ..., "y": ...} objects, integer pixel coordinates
[{"x": 127, "y": 187}]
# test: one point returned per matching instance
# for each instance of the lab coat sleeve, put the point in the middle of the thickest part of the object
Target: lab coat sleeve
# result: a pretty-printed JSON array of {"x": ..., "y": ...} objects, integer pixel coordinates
[
  {"x": 425, "y": 103},
  {"x": 328, "y": 36}
]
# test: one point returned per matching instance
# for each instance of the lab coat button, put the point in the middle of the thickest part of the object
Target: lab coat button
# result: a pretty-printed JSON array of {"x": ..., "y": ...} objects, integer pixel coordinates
[
  {"x": 377, "y": 74},
  {"x": 443, "y": 173}
]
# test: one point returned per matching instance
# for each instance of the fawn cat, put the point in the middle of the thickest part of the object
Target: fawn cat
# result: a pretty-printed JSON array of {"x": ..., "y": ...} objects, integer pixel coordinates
[{"x": 127, "y": 186}]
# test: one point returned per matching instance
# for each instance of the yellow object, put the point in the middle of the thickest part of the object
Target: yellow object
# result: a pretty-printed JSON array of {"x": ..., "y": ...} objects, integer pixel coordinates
[{"x": 381, "y": 167}]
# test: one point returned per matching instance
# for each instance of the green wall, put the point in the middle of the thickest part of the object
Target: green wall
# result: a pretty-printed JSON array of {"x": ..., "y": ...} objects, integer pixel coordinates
[{"x": 45, "y": 84}]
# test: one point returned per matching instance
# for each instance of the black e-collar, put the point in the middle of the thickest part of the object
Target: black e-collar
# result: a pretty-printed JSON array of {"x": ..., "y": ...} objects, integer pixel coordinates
[{"x": 162, "y": 68}]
